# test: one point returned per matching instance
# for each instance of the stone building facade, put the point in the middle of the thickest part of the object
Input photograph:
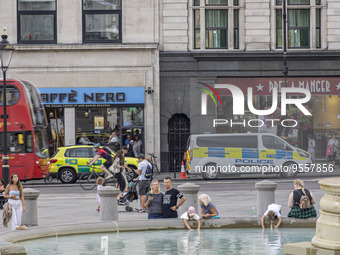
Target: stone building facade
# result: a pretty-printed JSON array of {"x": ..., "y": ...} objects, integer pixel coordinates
[
  {"x": 168, "y": 48},
  {"x": 90, "y": 46},
  {"x": 240, "y": 43}
]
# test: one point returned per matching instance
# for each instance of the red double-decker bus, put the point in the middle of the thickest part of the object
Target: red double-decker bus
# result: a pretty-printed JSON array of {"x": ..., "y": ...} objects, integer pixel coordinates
[{"x": 26, "y": 130}]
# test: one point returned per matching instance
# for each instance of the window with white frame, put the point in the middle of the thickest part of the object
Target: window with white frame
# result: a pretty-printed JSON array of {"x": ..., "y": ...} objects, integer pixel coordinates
[
  {"x": 214, "y": 22},
  {"x": 303, "y": 23},
  {"x": 37, "y": 22},
  {"x": 102, "y": 21}
]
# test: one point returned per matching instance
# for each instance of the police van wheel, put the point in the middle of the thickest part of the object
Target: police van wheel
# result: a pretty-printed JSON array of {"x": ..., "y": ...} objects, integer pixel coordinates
[
  {"x": 288, "y": 170},
  {"x": 210, "y": 172}
]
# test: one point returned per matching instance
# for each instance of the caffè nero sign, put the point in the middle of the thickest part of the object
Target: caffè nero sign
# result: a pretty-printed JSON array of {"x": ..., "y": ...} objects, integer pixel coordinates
[{"x": 85, "y": 97}]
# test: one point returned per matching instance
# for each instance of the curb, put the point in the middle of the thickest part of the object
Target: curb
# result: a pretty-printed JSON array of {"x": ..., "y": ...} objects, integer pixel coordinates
[{"x": 7, "y": 239}]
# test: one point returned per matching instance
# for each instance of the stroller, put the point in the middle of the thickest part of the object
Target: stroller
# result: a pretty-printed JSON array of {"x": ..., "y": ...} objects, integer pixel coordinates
[{"x": 132, "y": 194}]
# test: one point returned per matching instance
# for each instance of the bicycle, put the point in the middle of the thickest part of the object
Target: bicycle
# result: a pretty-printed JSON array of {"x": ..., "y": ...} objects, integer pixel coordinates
[
  {"x": 88, "y": 180},
  {"x": 154, "y": 165}
]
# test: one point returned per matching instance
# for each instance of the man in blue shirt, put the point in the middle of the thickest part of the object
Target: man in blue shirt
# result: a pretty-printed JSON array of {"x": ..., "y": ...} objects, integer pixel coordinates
[{"x": 143, "y": 180}]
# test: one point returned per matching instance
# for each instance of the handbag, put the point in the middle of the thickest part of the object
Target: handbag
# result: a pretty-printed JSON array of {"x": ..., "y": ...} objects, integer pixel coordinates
[
  {"x": 329, "y": 151},
  {"x": 115, "y": 167}
]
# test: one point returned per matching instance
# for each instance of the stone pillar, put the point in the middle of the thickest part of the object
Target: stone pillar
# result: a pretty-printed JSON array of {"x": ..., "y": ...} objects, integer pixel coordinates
[
  {"x": 265, "y": 195},
  {"x": 70, "y": 126},
  {"x": 108, "y": 203},
  {"x": 328, "y": 225},
  {"x": 30, "y": 215},
  {"x": 189, "y": 190}
]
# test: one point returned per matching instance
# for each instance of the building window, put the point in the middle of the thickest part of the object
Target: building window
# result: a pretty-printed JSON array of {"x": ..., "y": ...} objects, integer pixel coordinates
[
  {"x": 102, "y": 21},
  {"x": 301, "y": 26},
  {"x": 37, "y": 22},
  {"x": 211, "y": 21}
]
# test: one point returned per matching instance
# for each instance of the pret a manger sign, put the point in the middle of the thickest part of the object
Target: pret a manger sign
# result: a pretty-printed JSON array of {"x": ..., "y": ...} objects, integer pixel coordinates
[{"x": 238, "y": 98}]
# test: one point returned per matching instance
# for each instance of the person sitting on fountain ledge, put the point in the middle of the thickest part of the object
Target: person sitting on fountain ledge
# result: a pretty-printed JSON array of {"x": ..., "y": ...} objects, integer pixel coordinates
[
  {"x": 273, "y": 212},
  {"x": 301, "y": 201}
]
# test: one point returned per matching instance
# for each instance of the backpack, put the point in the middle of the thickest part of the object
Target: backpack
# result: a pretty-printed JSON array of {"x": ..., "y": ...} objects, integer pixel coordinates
[
  {"x": 107, "y": 150},
  {"x": 305, "y": 201},
  {"x": 148, "y": 172}
]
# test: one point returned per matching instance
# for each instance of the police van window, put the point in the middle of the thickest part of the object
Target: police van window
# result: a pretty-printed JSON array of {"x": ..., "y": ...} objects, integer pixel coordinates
[
  {"x": 238, "y": 141},
  {"x": 279, "y": 145},
  {"x": 268, "y": 142},
  {"x": 271, "y": 142},
  {"x": 212, "y": 141},
  {"x": 188, "y": 143},
  {"x": 229, "y": 141}
]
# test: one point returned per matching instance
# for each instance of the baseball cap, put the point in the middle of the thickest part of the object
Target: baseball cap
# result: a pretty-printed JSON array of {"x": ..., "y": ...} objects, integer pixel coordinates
[{"x": 191, "y": 211}]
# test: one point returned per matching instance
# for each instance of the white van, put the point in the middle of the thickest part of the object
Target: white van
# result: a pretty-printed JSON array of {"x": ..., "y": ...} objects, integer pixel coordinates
[{"x": 212, "y": 155}]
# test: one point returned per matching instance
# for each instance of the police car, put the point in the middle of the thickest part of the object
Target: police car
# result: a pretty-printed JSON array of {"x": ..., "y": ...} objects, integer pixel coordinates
[{"x": 214, "y": 155}]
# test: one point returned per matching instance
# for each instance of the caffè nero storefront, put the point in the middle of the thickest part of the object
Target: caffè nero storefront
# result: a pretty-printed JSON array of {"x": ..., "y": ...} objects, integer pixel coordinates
[{"x": 94, "y": 112}]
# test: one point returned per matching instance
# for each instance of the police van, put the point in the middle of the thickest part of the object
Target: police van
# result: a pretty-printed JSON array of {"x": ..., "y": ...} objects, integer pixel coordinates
[{"x": 214, "y": 155}]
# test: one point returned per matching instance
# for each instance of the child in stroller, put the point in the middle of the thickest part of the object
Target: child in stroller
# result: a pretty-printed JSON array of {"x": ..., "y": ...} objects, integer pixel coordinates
[{"x": 132, "y": 194}]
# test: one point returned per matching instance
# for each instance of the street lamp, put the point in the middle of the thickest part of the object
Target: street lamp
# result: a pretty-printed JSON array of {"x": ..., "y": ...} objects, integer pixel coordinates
[
  {"x": 284, "y": 30},
  {"x": 6, "y": 51}
]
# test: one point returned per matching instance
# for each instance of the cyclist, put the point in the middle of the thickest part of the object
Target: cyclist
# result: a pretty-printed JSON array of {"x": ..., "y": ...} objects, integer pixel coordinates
[{"x": 102, "y": 153}]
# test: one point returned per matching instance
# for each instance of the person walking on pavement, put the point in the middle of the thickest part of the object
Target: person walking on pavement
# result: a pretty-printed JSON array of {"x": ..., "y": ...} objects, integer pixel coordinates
[
  {"x": 311, "y": 146},
  {"x": 171, "y": 195},
  {"x": 143, "y": 180},
  {"x": 104, "y": 154},
  {"x": 332, "y": 149},
  {"x": 118, "y": 167},
  {"x": 99, "y": 182},
  {"x": 15, "y": 195}
]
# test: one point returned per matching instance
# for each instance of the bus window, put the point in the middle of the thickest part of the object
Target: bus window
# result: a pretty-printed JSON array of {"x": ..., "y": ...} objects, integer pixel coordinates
[
  {"x": 12, "y": 95},
  {"x": 14, "y": 145},
  {"x": 40, "y": 143},
  {"x": 29, "y": 143},
  {"x": 15, "y": 142},
  {"x": 35, "y": 103}
]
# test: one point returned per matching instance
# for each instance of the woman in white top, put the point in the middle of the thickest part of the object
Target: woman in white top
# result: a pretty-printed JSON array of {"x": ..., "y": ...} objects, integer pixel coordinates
[
  {"x": 334, "y": 144},
  {"x": 118, "y": 169},
  {"x": 15, "y": 195}
]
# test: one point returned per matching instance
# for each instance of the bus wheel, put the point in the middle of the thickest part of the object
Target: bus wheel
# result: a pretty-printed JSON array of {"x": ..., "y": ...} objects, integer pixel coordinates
[
  {"x": 67, "y": 175},
  {"x": 210, "y": 172},
  {"x": 288, "y": 171}
]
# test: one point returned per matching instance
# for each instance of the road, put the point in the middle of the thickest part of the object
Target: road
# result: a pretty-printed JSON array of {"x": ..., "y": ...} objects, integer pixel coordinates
[{"x": 236, "y": 184}]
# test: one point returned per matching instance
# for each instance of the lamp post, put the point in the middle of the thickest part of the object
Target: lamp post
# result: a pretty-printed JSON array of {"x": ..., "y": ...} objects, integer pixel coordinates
[
  {"x": 284, "y": 31},
  {"x": 6, "y": 51}
]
